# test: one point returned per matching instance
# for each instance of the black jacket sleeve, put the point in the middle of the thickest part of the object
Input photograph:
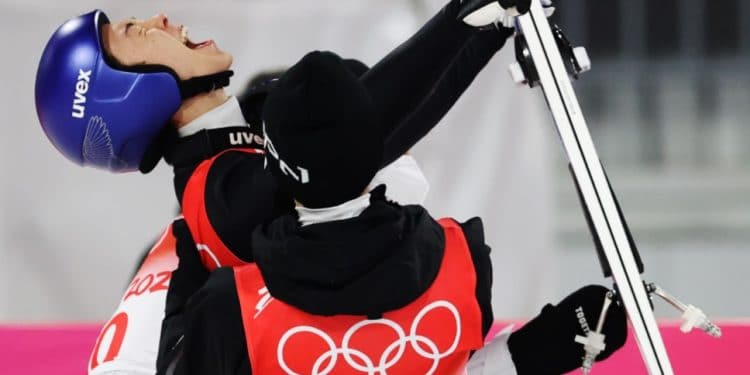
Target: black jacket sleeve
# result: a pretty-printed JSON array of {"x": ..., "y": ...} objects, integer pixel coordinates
[
  {"x": 480, "y": 254},
  {"x": 214, "y": 342},
  {"x": 401, "y": 80},
  {"x": 415, "y": 85},
  {"x": 185, "y": 281},
  {"x": 240, "y": 195},
  {"x": 461, "y": 72}
]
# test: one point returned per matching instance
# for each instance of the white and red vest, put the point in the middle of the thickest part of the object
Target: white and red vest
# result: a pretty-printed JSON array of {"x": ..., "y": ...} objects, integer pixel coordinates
[
  {"x": 432, "y": 335},
  {"x": 129, "y": 341}
]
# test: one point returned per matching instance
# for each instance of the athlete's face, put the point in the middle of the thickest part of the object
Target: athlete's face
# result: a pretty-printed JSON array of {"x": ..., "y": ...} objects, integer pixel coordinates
[{"x": 157, "y": 41}]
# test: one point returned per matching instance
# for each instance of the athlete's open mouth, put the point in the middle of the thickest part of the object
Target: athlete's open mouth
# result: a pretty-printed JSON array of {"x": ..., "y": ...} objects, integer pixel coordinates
[
  {"x": 189, "y": 43},
  {"x": 193, "y": 45}
]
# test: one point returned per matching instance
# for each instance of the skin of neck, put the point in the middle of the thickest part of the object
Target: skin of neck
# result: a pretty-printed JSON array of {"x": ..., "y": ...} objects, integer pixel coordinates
[{"x": 196, "y": 106}]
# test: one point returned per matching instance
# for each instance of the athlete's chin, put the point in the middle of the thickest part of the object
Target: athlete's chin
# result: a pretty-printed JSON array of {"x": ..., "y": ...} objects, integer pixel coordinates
[
  {"x": 228, "y": 59},
  {"x": 219, "y": 59},
  {"x": 209, "y": 64}
]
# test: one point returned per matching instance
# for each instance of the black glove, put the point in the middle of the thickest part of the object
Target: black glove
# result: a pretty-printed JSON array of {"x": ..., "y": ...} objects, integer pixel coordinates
[
  {"x": 471, "y": 8},
  {"x": 546, "y": 345}
]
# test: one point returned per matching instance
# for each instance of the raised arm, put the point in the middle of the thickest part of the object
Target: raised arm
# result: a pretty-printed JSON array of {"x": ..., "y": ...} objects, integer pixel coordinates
[
  {"x": 454, "y": 81},
  {"x": 400, "y": 81}
]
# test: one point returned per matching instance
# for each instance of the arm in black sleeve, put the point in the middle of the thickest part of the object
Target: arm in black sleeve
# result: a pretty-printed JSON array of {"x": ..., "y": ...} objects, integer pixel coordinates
[
  {"x": 480, "y": 255},
  {"x": 214, "y": 341},
  {"x": 239, "y": 195},
  {"x": 189, "y": 276},
  {"x": 472, "y": 58},
  {"x": 400, "y": 81}
]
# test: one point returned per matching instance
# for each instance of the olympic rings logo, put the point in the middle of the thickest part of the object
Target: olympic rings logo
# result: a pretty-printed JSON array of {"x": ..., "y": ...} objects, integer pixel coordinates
[{"x": 360, "y": 361}]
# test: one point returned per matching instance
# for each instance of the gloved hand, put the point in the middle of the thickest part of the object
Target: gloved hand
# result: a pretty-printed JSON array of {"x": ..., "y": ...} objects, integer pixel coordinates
[
  {"x": 484, "y": 13},
  {"x": 546, "y": 345}
]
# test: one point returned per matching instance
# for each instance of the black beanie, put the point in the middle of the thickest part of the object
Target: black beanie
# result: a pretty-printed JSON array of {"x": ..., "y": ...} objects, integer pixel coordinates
[{"x": 323, "y": 139}]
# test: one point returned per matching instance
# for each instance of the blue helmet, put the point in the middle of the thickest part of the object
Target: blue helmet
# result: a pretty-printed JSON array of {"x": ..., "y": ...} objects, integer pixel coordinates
[{"x": 98, "y": 113}]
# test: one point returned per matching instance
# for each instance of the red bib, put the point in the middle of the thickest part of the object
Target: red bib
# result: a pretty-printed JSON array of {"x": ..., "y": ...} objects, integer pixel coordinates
[
  {"x": 432, "y": 335},
  {"x": 214, "y": 253}
]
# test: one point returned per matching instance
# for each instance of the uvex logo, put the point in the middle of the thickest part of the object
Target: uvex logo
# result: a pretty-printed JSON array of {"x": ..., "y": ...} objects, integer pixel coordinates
[
  {"x": 79, "y": 99},
  {"x": 302, "y": 177},
  {"x": 244, "y": 138}
]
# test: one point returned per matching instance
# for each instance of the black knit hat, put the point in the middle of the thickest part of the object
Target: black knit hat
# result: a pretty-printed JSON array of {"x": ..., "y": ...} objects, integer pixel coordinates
[{"x": 323, "y": 139}]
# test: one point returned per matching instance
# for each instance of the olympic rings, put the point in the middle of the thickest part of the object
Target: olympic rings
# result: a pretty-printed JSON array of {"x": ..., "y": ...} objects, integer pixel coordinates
[{"x": 360, "y": 361}]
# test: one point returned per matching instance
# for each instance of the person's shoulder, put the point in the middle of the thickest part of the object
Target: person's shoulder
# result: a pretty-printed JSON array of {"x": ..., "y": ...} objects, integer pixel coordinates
[
  {"x": 473, "y": 229},
  {"x": 239, "y": 158},
  {"x": 238, "y": 169},
  {"x": 229, "y": 166},
  {"x": 239, "y": 190}
]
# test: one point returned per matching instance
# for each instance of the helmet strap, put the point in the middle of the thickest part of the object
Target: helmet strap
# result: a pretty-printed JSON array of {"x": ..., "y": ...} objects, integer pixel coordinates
[
  {"x": 155, "y": 150},
  {"x": 188, "y": 89},
  {"x": 203, "y": 84}
]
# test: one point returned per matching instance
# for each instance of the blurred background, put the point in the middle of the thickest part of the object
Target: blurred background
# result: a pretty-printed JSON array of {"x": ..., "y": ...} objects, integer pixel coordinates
[{"x": 667, "y": 103}]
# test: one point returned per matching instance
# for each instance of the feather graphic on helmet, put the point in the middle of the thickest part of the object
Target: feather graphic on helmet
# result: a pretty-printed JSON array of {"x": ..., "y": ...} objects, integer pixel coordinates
[{"x": 97, "y": 145}]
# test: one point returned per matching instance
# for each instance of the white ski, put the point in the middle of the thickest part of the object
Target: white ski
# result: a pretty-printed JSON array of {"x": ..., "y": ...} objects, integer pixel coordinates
[{"x": 594, "y": 187}]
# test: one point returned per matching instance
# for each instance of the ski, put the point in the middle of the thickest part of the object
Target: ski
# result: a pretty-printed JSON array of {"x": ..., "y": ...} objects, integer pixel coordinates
[{"x": 540, "y": 53}]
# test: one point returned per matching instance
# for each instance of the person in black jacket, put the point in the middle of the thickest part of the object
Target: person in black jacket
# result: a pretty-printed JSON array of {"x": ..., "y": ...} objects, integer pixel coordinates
[
  {"x": 348, "y": 258},
  {"x": 415, "y": 85}
]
